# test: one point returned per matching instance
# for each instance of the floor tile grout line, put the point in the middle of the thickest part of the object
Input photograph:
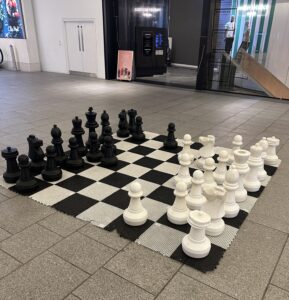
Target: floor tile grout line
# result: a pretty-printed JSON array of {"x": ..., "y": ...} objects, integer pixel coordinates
[
  {"x": 256, "y": 222},
  {"x": 273, "y": 284}
]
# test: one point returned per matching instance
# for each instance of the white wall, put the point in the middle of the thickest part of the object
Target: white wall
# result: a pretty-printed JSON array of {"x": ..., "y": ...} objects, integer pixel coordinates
[
  {"x": 49, "y": 20},
  {"x": 26, "y": 50},
  {"x": 277, "y": 61}
]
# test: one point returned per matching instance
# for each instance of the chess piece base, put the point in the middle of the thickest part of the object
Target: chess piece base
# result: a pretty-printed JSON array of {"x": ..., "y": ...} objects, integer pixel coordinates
[
  {"x": 11, "y": 177},
  {"x": 75, "y": 164},
  {"x": 94, "y": 157},
  {"x": 122, "y": 134},
  {"x": 216, "y": 227},
  {"x": 196, "y": 249},
  {"x": 135, "y": 219},
  {"x": 178, "y": 218},
  {"x": 195, "y": 203},
  {"x": 231, "y": 210},
  {"x": 27, "y": 186},
  {"x": 138, "y": 138},
  {"x": 241, "y": 195},
  {"x": 109, "y": 162},
  {"x": 252, "y": 186},
  {"x": 52, "y": 175},
  {"x": 170, "y": 146},
  {"x": 37, "y": 167}
]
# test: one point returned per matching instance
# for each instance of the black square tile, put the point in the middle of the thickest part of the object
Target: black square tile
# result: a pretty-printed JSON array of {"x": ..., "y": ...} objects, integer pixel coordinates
[
  {"x": 164, "y": 221},
  {"x": 131, "y": 233},
  {"x": 206, "y": 264},
  {"x": 177, "y": 150},
  {"x": 156, "y": 177},
  {"x": 76, "y": 183},
  {"x": 41, "y": 186},
  {"x": 118, "y": 180},
  {"x": 270, "y": 170},
  {"x": 258, "y": 193},
  {"x": 163, "y": 194},
  {"x": 174, "y": 160},
  {"x": 160, "y": 138},
  {"x": 75, "y": 204},
  {"x": 120, "y": 164},
  {"x": 192, "y": 170},
  {"x": 118, "y": 199},
  {"x": 148, "y": 162},
  {"x": 142, "y": 150},
  {"x": 131, "y": 140},
  {"x": 215, "y": 157},
  {"x": 118, "y": 152},
  {"x": 196, "y": 146},
  {"x": 237, "y": 221},
  {"x": 85, "y": 167}
]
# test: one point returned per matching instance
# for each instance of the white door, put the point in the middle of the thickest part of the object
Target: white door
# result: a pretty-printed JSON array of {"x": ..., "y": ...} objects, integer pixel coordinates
[{"x": 74, "y": 47}]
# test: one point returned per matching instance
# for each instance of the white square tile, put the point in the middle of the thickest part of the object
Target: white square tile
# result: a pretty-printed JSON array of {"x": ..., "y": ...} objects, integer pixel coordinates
[
  {"x": 134, "y": 170},
  {"x": 4, "y": 184},
  {"x": 225, "y": 239},
  {"x": 125, "y": 146},
  {"x": 248, "y": 204},
  {"x": 169, "y": 168},
  {"x": 156, "y": 209},
  {"x": 96, "y": 173},
  {"x": 171, "y": 183},
  {"x": 98, "y": 191},
  {"x": 147, "y": 186},
  {"x": 153, "y": 144},
  {"x": 129, "y": 157},
  {"x": 100, "y": 214},
  {"x": 161, "y": 155},
  {"x": 51, "y": 195},
  {"x": 150, "y": 135}
]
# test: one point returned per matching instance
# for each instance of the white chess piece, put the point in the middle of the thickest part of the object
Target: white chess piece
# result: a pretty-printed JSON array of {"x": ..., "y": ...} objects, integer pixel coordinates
[
  {"x": 208, "y": 149},
  {"x": 220, "y": 172},
  {"x": 231, "y": 185},
  {"x": 179, "y": 212},
  {"x": 209, "y": 168},
  {"x": 251, "y": 180},
  {"x": 196, "y": 244},
  {"x": 262, "y": 174},
  {"x": 241, "y": 163},
  {"x": 195, "y": 199},
  {"x": 272, "y": 158},
  {"x": 135, "y": 214},
  {"x": 237, "y": 144},
  {"x": 184, "y": 172},
  {"x": 214, "y": 206},
  {"x": 187, "y": 142}
]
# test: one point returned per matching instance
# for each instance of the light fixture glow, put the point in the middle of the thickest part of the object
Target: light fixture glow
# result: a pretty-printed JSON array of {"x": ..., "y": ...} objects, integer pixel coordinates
[
  {"x": 147, "y": 15},
  {"x": 147, "y": 9}
]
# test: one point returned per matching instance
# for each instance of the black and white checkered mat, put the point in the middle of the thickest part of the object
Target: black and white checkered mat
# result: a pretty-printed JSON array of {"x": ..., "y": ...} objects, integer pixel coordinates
[{"x": 99, "y": 195}]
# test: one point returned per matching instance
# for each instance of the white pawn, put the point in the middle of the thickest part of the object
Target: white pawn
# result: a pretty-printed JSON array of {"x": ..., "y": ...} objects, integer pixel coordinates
[
  {"x": 237, "y": 144},
  {"x": 209, "y": 168},
  {"x": 262, "y": 174},
  {"x": 196, "y": 244},
  {"x": 208, "y": 149},
  {"x": 231, "y": 185},
  {"x": 221, "y": 169},
  {"x": 272, "y": 158},
  {"x": 215, "y": 208},
  {"x": 179, "y": 212},
  {"x": 187, "y": 142},
  {"x": 135, "y": 214},
  {"x": 251, "y": 180},
  {"x": 195, "y": 199},
  {"x": 241, "y": 163},
  {"x": 184, "y": 172}
]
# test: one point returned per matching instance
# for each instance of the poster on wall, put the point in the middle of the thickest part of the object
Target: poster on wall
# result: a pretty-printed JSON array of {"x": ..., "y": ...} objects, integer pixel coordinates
[
  {"x": 125, "y": 65},
  {"x": 11, "y": 19}
]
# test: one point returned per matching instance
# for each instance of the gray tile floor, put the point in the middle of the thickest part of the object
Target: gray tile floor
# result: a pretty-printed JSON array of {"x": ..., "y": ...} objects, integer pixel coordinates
[{"x": 47, "y": 255}]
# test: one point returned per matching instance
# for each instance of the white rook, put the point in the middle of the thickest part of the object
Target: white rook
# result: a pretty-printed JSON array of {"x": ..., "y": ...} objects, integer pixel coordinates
[{"x": 272, "y": 158}]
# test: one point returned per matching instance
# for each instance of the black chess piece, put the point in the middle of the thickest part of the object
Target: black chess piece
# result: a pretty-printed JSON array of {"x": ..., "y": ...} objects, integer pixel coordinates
[
  {"x": 51, "y": 171},
  {"x": 94, "y": 154},
  {"x": 57, "y": 141},
  {"x": 171, "y": 143},
  {"x": 123, "y": 130},
  {"x": 91, "y": 124},
  {"x": 74, "y": 160},
  {"x": 78, "y": 132},
  {"x": 132, "y": 113},
  {"x": 138, "y": 135},
  {"x": 12, "y": 173},
  {"x": 104, "y": 123},
  {"x": 109, "y": 158},
  {"x": 26, "y": 183},
  {"x": 36, "y": 154},
  {"x": 108, "y": 132}
]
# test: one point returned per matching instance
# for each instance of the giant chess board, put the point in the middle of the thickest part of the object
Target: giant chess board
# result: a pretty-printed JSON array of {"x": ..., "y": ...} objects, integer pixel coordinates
[{"x": 99, "y": 195}]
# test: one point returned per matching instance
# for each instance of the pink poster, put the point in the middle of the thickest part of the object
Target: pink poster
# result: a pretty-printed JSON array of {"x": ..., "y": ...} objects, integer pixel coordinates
[{"x": 125, "y": 65}]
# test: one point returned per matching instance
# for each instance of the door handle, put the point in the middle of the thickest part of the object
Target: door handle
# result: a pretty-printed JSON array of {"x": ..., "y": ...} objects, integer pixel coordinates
[
  {"x": 82, "y": 38},
  {"x": 79, "y": 45}
]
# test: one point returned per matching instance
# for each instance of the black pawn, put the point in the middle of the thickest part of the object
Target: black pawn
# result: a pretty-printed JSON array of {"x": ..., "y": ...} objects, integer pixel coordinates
[
  {"x": 78, "y": 132},
  {"x": 91, "y": 124},
  {"x": 26, "y": 183},
  {"x": 123, "y": 130},
  {"x": 109, "y": 158},
  {"x": 12, "y": 172},
  {"x": 108, "y": 132},
  {"x": 132, "y": 113},
  {"x": 94, "y": 154},
  {"x": 57, "y": 141},
  {"x": 138, "y": 135},
  {"x": 171, "y": 143},
  {"x": 104, "y": 123},
  {"x": 36, "y": 154},
  {"x": 51, "y": 171},
  {"x": 74, "y": 160}
]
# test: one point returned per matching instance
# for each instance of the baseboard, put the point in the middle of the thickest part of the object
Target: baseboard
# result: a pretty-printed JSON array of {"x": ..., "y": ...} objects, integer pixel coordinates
[
  {"x": 23, "y": 67},
  {"x": 184, "y": 66}
]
